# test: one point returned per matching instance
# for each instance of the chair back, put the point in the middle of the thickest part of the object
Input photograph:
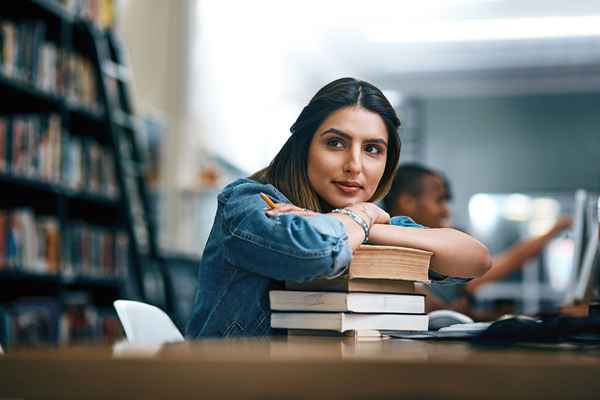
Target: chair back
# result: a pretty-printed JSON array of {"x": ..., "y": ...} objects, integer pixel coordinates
[{"x": 146, "y": 324}]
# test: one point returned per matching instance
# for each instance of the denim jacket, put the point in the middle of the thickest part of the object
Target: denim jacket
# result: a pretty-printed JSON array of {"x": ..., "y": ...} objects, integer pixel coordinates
[{"x": 248, "y": 252}]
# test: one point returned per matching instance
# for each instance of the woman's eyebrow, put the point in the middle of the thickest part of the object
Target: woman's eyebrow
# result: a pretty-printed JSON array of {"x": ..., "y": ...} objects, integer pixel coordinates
[
  {"x": 347, "y": 136},
  {"x": 335, "y": 130},
  {"x": 380, "y": 141}
]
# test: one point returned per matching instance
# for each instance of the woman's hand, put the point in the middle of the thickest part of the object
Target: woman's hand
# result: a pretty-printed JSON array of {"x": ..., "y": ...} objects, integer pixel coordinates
[
  {"x": 374, "y": 213},
  {"x": 286, "y": 208}
]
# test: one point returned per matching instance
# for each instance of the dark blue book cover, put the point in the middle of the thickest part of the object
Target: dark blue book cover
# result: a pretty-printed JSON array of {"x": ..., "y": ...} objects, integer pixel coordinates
[{"x": 35, "y": 321}]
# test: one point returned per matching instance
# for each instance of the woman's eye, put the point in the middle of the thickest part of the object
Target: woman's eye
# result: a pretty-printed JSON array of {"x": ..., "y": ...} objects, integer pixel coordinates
[
  {"x": 372, "y": 149},
  {"x": 335, "y": 143}
]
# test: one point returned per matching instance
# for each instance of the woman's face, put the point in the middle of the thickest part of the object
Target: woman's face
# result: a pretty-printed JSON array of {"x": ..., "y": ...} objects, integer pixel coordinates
[{"x": 347, "y": 156}]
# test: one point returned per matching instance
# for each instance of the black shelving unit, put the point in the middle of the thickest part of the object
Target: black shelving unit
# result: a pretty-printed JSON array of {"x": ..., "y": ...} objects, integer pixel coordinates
[
  {"x": 120, "y": 121},
  {"x": 112, "y": 125}
]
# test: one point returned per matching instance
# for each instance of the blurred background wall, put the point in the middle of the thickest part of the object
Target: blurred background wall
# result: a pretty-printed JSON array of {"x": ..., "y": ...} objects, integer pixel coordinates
[
  {"x": 532, "y": 143},
  {"x": 501, "y": 95}
]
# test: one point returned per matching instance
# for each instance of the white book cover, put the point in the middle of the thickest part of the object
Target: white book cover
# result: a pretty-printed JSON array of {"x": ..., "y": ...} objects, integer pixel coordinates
[
  {"x": 343, "y": 322},
  {"x": 287, "y": 300}
]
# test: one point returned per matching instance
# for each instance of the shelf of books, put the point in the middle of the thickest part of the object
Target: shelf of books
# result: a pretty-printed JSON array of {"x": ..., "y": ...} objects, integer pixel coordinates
[{"x": 65, "y": 244}]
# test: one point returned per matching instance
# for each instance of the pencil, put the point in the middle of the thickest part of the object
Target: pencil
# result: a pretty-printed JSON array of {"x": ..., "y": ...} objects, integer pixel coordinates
[{"x": 268, "y": 200}]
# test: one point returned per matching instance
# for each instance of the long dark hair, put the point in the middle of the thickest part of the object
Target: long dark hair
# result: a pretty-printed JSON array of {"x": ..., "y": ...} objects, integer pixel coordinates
[{"x": 288, "y": 170}]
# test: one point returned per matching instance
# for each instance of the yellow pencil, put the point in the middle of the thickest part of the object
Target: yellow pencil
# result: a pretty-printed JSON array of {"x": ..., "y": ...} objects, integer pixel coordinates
[{"x": 268, "y": 200}]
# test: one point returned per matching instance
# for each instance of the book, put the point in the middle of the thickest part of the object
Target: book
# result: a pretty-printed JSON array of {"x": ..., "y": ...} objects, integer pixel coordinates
[
  {"x": 48, "y": 239},
  {"x": 93, "y": 251},
  {"x": 79, "y": 319},
  {"x": 286, "y": 300},
  {"x": 342, "y": 322},
  {"x": 344, "y": 284},
  {"x": 36, "y": 146},
  {"x": 23, "y": 229},
  {"x": 3, "y": 143},
  {"x": 5, "y": 328},
  {"x": 35, "y": 321},
  {"x": 3, "y": 239},
  {"x": 390, "y": 262},
  {"x": 9, "y": 44},
  {"x": 109, "y": 326},
  {"x": 73, "y": 166},
  {"x": 48, "y": 67},
  {"x": 99, "y": 12}
]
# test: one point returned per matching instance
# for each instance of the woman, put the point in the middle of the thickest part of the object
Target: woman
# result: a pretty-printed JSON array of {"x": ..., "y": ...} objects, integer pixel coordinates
[{"x": 340, "y": 158}]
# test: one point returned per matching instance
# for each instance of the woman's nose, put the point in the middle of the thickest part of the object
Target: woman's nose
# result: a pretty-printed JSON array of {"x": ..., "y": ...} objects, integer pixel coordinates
[{"x": 353, "y": 163}]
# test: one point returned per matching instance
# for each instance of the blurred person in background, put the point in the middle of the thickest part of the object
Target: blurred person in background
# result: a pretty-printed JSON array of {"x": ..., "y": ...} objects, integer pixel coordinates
[{"x": 423, "y": 194}]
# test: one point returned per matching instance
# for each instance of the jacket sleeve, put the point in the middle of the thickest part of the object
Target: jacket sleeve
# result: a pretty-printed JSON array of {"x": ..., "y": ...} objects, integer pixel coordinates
[{"x": 286, "y": 247}]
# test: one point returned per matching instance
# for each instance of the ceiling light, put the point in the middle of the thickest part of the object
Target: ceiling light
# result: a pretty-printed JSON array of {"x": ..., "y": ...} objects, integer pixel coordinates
[{"x": 486, "y": 29}]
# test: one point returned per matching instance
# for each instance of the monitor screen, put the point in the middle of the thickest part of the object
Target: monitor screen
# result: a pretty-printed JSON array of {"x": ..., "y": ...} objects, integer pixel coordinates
[
  {"x": 579, "y": 238},
  {"x": 587, "y": 280}
]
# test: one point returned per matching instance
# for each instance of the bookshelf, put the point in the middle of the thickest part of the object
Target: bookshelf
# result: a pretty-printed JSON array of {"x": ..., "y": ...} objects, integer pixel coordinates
[{"x": 75, "y": 229}]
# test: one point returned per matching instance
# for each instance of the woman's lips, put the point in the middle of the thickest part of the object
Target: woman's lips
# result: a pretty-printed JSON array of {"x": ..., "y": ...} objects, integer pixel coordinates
[{"x": 349, "y": 189}]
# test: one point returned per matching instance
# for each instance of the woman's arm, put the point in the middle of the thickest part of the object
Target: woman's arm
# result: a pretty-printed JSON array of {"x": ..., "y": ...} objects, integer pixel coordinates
[
  {"x": 354, "y": 231},
  {"x": 369, "y": 212},
  {"x": 454, "y": 253},
  {"x": 276, "y": 245}
]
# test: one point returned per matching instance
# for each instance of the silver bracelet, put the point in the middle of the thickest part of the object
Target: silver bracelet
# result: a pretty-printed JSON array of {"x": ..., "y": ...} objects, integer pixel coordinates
[{"x": 356, "y": 218}]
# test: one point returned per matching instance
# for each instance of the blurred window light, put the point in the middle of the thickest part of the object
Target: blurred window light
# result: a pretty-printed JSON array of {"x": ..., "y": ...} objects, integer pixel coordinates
[
  {"x": 537, "y": 227},
  {"x": 483, "y": 212},
  {"x": 486, "y": 29},
  {"x": 394, "y": 97},
  {"x": 546, "y": 208},
  {"x": 559, "y": 262},
  {"x": 544, "y": 216},
  {"x": 518, "y": 207}
]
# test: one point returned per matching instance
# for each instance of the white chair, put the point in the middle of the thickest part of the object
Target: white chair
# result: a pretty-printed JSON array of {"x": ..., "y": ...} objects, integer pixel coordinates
[{"x": 146, "y": 324}]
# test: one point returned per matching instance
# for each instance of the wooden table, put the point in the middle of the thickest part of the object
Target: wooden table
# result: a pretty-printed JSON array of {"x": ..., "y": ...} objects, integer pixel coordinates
[{"x": 301, "y": 367}]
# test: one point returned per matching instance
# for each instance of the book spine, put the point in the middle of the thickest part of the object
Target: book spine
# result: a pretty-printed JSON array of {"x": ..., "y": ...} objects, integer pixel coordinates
[
  {"x": 43, "y": 321},
  {"x": 9, "y": 50},
  {"x": 3, "y": 239},
  {"x": 95, "y": 251},
  {"x": 36, "y": 243},
  {"x": 34, "y": 146},
  {"x": 41, "y": 263},
  {"x": 18, "y": 146},
  {"x": 37, "y": 41},
  {"x": 3, "y": 144},
  {"x": 30, "y": 240},
  {"x": 11, "y": 240},
  {"x": 53, "y": 246}
]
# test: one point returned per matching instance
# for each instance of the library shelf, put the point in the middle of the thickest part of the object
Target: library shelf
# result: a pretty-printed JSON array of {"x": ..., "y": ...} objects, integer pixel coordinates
[
  {"x": 25, "y": 91},
  {"x": 50, "y": 8},
  {"x": 100, "y": 120},
  {"x": 16, "y": 182},
  {"x": 11, "y": 274},
  {"x": 20, "y": 90}
]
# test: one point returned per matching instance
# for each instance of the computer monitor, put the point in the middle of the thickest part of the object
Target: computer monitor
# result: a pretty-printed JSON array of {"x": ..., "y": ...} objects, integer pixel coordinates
[
  {"x": 579, "y": 236},
  {"x": 586, "y": 252}
]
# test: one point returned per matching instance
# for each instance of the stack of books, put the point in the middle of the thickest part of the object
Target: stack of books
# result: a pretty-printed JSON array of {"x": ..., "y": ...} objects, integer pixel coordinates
[{"x": 377, "y": 293}]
